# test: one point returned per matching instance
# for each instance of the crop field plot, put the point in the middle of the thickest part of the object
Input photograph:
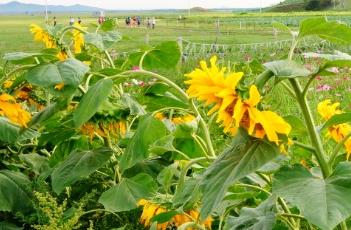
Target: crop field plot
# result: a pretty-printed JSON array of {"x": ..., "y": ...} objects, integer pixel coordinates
[{"x": 216, "y": 120}]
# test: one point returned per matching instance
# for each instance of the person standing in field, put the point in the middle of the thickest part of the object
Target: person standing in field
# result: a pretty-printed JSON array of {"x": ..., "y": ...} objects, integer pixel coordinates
[
  {"x": 55, "y": 21},
  {"x": 148, "y": 23},
  {"x": 71, "y": 21},
  {"x": 79, "y": 20},
  {"x": 153, "y": 22},
  {"x": 138, "y": 21}
]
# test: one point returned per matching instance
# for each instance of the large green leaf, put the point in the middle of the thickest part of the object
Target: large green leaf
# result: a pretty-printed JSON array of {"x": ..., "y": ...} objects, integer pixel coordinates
[
  {"x": 287, "y": 69},
  {"x": 163, "y": 56},
  {"x": 78, "y": 164},
  {"x": 337, "y": 119},
  {"x": 125, "y": 195},
  {"x": 244, "y": 156},
  {"x": 36, "y": 162},
  {"x": 329, "y": 30},
  {"x": 323, "y": 202},
  {"x": 13, "y": 192},
  {"x": 149, "y": 130},
  {"x": 70, "y": 72},
  {"x": 103, "y": 41},
  {"x": 187, "y": 194},
  {"x": 259, "y": 218},
  {"x": 91, "y": 101},
  {"x": 166, "y": 55},
  {"x": 8, "y": 131}
]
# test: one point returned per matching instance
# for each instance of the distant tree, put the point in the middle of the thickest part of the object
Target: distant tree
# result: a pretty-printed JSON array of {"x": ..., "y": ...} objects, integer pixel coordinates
[
  {"x": 312, "y": 5},
  {"x": 318, "y": 4}
]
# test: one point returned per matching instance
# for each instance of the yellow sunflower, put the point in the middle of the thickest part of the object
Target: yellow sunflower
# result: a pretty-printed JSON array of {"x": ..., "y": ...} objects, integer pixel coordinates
[
  {"x": 214, "y": 86},
  {"x": 259, "y": 123},
  {"x": 114, "y": 129},
  {"x": 43, "y": 36},
  {"x": 338, "y": 132},
  {"x": 151, "y": 209},
  {"x": 13, "y": 111},
  {"x": 78, "y": 38}
]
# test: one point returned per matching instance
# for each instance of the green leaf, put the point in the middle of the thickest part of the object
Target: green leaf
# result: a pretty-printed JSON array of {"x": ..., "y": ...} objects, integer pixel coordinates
[
  {"x": 9, "y": 226},
  {"x": 36, "y": 162},
  {"x": 281, "y": 27},
  {"x": 79, "y": 164},
  {"x": 164, "y": 56},
  {"x": 8, "y": 131},
  {"x": 18, "y": 56},
  {"x": 187, "y": 194},
  {"x": 149, "y": 130},
  {"x": 300, "y": 129},
  {"x": 262, "y": 79},
  {"x": 323, "y": 202},
  {"x": 108, "y": 25},
  {"x": 259, "y": 218},
  {"x": 134, "y": 107},
  {"x": 162, "y": 145},
  {"x": 287, "y": 69},
  {"x": 330, "y": 57},
  {"x": 125, "y": 195},
  {"x": 47, "y": 113},
  {"x": 91, "y": 101},
  {"x": 13, "y": 192},
  {"x": 244, "y": 156},
  {"x": 337, "y": 119},
  {"x": 167, "y": 176},
  {"x": 164, "y": 217},
  {"x": 70, "y": 72},
  {"x": 103, "y": 41},
  {"x": 329, "y": 30}
]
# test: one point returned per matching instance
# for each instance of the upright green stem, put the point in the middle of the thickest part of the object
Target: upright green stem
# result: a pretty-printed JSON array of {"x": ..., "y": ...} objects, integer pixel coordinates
[
  {"x": 110, "y": 59},
  {"x": 286, "y": 210},
  {"x": 314, "y": 136}
]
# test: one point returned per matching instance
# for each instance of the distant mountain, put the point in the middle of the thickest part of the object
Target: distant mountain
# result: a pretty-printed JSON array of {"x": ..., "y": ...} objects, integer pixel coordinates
[{"x": 19, "y": 7}]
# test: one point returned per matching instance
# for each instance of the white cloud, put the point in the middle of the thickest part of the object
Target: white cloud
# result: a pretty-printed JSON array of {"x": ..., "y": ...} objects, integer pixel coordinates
[{"x": 157, "y": 4}]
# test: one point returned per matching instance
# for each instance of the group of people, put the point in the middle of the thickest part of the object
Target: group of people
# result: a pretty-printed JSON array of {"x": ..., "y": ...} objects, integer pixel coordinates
[
  {"x": 135, "y": 21},
  {"x": 72, "y": 21}
]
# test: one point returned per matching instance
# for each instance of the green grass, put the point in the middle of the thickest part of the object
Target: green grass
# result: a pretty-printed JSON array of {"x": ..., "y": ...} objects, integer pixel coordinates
[{"x": 200, "y": 27}]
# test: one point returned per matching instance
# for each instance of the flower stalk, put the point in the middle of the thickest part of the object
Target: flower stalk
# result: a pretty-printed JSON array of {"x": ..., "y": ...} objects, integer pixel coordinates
[{"x": 311, "y": 127}]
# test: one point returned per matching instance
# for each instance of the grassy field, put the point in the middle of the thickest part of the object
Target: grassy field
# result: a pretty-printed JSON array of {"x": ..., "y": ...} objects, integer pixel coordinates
[{"x": 200, "y": 27}]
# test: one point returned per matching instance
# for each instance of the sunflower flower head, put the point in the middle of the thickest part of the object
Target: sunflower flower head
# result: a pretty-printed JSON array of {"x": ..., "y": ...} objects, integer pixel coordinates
[
  {"x": 217, "y": 87},
  {"x": 78, "y": 38},
  {"x": 43, "y": 36},
  {"x": 337, "y": 132},
  {"x": 326, "y": 109},
  {"x": 13, "y": 111},
  {"x": 151, "y": 209},
  {"x": 103, "y": 128},
  {"x": 8, "y": 84}
]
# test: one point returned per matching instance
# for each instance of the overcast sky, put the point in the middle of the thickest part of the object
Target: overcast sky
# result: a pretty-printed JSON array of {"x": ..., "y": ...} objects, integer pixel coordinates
[{"x": 157, "y": 4}]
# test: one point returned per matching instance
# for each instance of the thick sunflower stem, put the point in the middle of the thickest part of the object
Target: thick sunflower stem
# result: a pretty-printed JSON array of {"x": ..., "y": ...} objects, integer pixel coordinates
[{"x": 314, "y": 136}]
